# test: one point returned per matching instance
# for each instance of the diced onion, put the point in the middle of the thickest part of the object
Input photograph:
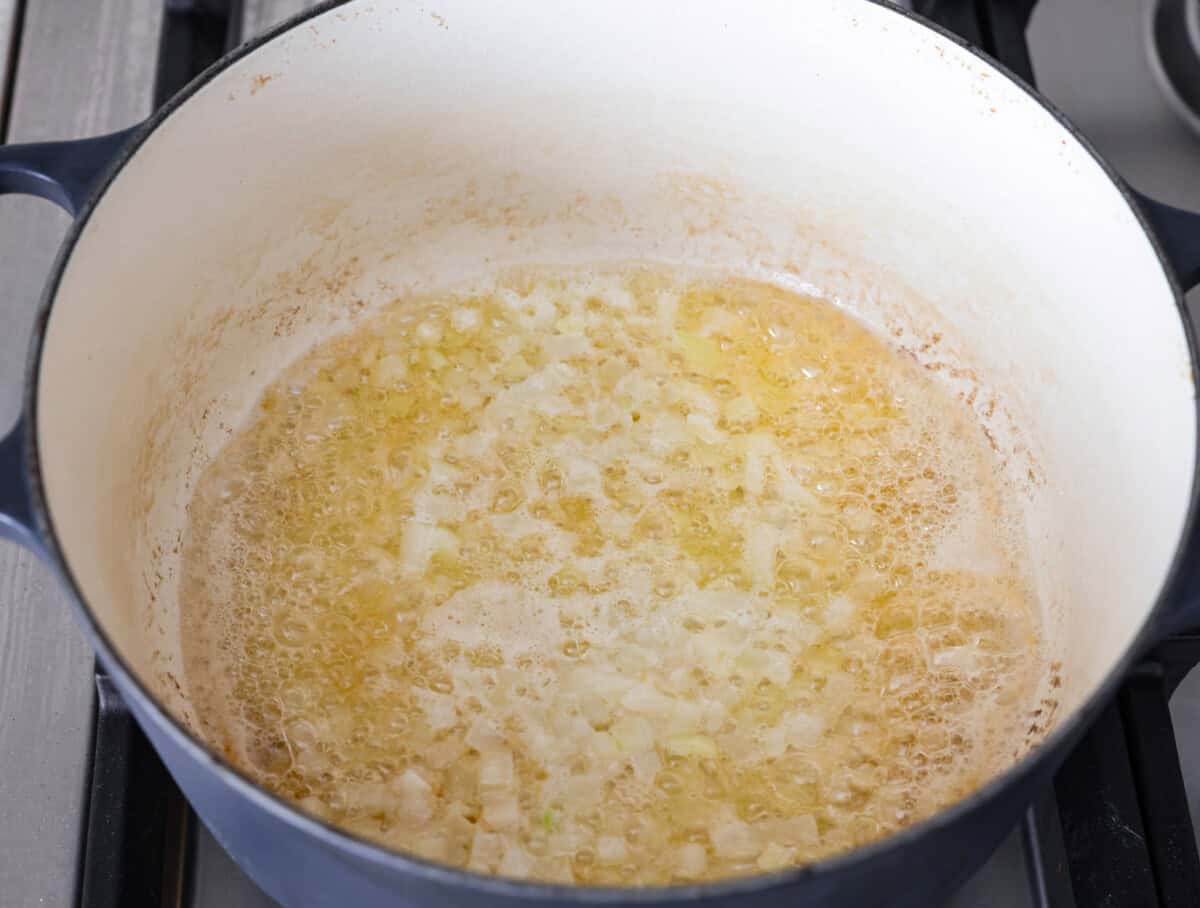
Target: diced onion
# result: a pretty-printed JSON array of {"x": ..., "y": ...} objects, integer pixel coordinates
[
  {"x": 705, "y": 429},
  {"x": 778, "y": 669},
  {"x": 839, "y": 612},
  {"x": 692, "y": 746},
  {"x": 496, "y": 769},
  {"x": 761, "y": 544},
  {"x": 734, "y": 840},
  {"x": 803, "y": 729},
  {"x": 500, "y": 809},
  {"x": 646, "y": 765},
  {"x": 792, "y": 832},
  {"x": 416, "y": 796},
  {"x": 775, "y": 856},
  {"x": 420, "y": 542},
  {"x": 644, "y": 699},
  {"x": 741, "y": 409},
  {"x": 691, "y": 860},
  {"x": 516, "y": 863},
  {"x": 483, "y": 735},
  {"x": 610, "y": 849},
  {"x": 439, "y": 709},
  {"x": 464, "y": 319},
  {"x": 487, "y": 849}
]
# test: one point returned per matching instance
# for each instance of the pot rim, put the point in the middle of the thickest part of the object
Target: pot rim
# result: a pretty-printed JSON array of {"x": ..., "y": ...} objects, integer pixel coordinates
[{"x": 361, "y": 849}]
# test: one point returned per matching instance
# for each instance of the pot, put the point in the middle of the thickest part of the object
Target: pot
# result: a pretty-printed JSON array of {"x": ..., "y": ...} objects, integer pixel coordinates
[{"x": 371, "y": 148}]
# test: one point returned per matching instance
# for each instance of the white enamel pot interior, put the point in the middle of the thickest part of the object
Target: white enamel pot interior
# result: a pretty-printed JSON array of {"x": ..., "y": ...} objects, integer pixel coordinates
[{"x": 385, "y": 147}]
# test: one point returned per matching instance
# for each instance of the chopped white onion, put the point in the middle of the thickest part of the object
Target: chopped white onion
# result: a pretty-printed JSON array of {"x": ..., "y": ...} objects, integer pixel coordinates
[
  {"x": 496, "y": 769},
  {"x": 420, "y": 542},
  {"x": 691, "y": 746},
  {"x": 487, "y": 849},
  {"x": 483, "y": 735},
  {"x": 705, "y": 429},
  {"x": 778, "y": 669},
  {"x": 741, "y": 409},
  {"x": 776, "y": 856},
  {"x": 584, "y": 791},
  {"x": 464, "y": 319},
  {"x": 803, "y": 729},
  {"x": 500, "y": 809},
  {"x": 646, "y": 765},
  {"x": 603, "y": 748},
  {"x": 758, "y": 553},
  {"x": 439, "y": 709},
  {"x": 565, "y": 842},
  {"x": 610, "y": 849},
  {"x": 839, "y": 691},
  {"x": 792, "y": 832},
  {"x": 416, "y": 796},
  {"x": 646, "y": 700},
  {"x": 734, "y": 840},
  {"x": 516, "y": 863},
  {"x": 391, "y": 369},
  {"x": 691, "y": 860},
  {"x": 839, "y": 612}
]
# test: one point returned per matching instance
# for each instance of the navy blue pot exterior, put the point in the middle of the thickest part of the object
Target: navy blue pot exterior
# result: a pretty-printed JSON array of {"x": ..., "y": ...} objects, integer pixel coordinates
[{"x": 304, "y": 863}]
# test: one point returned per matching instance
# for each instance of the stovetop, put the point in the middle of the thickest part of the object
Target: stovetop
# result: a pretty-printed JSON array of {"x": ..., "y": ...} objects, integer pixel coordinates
[{"x": 1116, "y": 828}]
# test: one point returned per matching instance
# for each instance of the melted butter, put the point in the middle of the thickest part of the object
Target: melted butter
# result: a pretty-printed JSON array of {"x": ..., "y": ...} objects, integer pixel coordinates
[{"x": 610, "y": 578}]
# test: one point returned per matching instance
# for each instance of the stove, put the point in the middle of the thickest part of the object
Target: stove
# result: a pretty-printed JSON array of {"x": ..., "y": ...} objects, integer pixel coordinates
[{"x": 1116, "y": 828}]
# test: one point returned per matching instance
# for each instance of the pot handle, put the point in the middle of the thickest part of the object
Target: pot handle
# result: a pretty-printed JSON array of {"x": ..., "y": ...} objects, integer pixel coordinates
[
  {"x": 66, "y": 173},
  {"x": 1178, "y": 233}
]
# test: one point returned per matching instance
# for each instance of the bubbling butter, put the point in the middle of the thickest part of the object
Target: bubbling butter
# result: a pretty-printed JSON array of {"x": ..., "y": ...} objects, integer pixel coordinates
[{"x": 621, "y": 577}]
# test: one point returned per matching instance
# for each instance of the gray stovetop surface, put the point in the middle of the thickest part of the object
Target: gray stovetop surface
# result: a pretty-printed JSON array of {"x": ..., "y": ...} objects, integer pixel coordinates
[{"x": 83, "y": 68}]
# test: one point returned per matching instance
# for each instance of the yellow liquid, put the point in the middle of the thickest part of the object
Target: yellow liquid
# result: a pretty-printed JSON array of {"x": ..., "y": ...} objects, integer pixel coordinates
[{"x": 611, "y": 578}]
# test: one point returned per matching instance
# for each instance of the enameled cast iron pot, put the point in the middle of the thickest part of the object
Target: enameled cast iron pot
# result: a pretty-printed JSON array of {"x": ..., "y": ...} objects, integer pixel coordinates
[{"x": 380, "y": 146}]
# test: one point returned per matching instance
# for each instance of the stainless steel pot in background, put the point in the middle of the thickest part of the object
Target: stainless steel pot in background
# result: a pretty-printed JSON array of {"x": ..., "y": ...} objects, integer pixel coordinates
[{"x": 371, "y": 148}]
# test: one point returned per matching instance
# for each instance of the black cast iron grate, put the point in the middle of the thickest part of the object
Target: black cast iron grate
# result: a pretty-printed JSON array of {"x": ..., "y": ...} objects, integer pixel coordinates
[{"x": 1114, "y": 831}]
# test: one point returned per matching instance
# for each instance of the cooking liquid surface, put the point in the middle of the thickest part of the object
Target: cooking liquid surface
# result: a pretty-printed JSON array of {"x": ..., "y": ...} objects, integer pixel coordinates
[{"x": 616, "y": 577}]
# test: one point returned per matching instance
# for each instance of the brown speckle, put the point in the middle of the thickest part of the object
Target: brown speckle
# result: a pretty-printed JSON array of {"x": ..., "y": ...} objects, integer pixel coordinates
[{"x": 261, "y": 81}]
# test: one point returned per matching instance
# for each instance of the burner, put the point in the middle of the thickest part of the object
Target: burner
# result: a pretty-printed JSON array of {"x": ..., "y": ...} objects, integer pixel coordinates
[{"x": 1174, "y": 45}]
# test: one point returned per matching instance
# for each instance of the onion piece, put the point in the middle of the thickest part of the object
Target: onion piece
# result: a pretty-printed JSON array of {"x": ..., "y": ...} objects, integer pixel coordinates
[
  {"x": 611, "y": 849},
  {"x": 516, "y": 863},
  {"x": 742, "y": 410},
  {"x": 734, "y": 840},
  {"x": 692, "y": 746},
  {"x": 646, "y": 765},
  {"x": 632, "y": 734},
  {"x": 758, "y": 554},
  {"x": 691, "y": 860},
  {"x": 496, "y": 769},
  {"x": 487, "y": 849},
  {"x": 443, "y": 753},
  {"x": 483, "y": 735},
  {"x": 500, "y": 809},
  {"x": 799, "y": 831},
  {"x": 646, "y": 700},
  {"x": 416, "y": 796},
  {"x": 420, "y": 542},
  {"x": 439, "y": 709},
  {"x": 775, "y": 857}
]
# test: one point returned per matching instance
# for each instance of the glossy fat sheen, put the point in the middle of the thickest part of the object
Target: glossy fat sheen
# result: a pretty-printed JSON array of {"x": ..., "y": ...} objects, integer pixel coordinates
[{"x": 611, "y": 578}]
